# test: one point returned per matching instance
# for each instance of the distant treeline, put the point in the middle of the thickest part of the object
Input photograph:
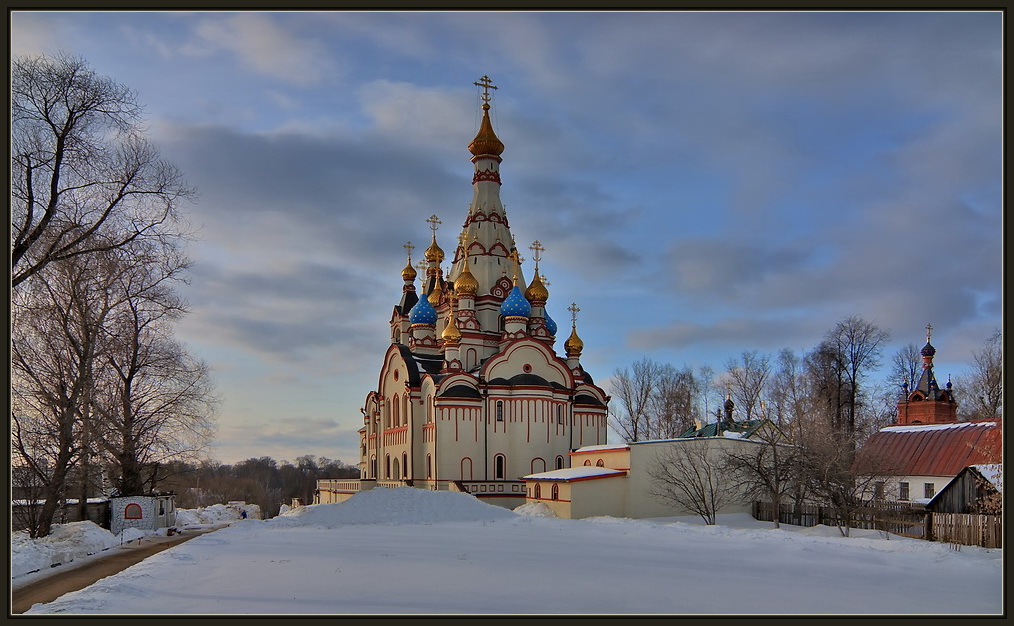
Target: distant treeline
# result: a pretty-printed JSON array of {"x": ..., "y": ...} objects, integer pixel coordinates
[{"x": 262, "y": 481}]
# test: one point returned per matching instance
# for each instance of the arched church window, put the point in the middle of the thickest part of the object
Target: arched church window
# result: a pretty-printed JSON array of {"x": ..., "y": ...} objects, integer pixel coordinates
[
  {"x": 404, "y": 465},
  {"x": 396, "y": 473},
  {"x": 429, "y": 466},
  {"x": 559, "y": 413},
  {"x": 396, "y": 411},
  {"x": 556, "y": 491},
  {"x": 373, "y": 467},
  {"x": 587, "y": 462},
  {"x": 499, "y": 410},
  {"x": 387, "y": 466},
  {"x": 466, "y": 468},
  {"x": 499, "y": 466},
  {"x": 538, "y": 491},
  {"x": 538, "y": 465},
  {"x": 559, "y": 462},
  {"x": 599, "y": 463},
  {"x": 132, "y": 511}
]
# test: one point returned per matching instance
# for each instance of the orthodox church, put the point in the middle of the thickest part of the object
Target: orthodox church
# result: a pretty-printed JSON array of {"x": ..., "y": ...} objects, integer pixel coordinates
[{"x": 472, "y": 394}]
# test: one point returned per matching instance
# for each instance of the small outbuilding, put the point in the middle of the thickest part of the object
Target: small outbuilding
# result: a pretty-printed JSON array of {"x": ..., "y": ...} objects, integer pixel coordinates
[
  {"x": 975, "y": 489},
  {"x": 149, "y": 512}
]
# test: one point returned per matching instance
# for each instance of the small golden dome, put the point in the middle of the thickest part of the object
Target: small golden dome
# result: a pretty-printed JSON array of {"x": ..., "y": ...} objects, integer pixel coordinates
[
  {"x": 574, "y": 345},
  {"x": 408, "y": 273},
  {"x": 434, "y": 252},
  {"x": 486, "y": 141},
  {"x": 466, "y": 284},
  {"x": 451, "y": 333},
  {"x": 436, "y": 292},
  {"x": 537, "y": 293}
]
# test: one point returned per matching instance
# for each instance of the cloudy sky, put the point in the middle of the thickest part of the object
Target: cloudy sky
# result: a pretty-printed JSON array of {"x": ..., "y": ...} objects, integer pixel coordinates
[{"x": 703, "y": 183}]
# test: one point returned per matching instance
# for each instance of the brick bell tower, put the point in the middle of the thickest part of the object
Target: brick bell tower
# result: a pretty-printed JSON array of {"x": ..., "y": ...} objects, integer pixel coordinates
[{"x": 927, "y": 403}]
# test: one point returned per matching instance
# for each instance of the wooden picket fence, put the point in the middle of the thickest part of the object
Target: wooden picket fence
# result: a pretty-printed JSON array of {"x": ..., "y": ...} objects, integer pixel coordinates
[
  {"x": 896, "y": 518},
  {"x": 967, "y": 529}
]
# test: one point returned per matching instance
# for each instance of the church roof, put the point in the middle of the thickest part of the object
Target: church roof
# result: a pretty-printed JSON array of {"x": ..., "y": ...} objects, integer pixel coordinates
[
  {"x": 570, "y": 474},
  {"x": 460, "y": 391},
  {"x": 746, "y": 428},
  {"x": 528, "y": 380},
  {"x": 936, "y": 449}
]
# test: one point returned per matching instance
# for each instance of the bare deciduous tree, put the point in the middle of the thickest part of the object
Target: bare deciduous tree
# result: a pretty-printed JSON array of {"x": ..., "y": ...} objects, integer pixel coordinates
[
  {"x": 633, "y": 389},
  {"x": 747, "y": 378},
  {"x": 84, "y": 177},
  {"x": 768, "y": 469},
  {"x": 981, "y": 388},
  {"x": 691, "y": 476}
]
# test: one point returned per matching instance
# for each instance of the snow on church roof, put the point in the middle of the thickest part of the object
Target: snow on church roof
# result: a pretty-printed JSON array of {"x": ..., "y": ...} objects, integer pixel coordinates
[
  {"x": 909, "y": 428},
  {"x": 601, "y": 448},
  {"x": 584, "y": 472}
]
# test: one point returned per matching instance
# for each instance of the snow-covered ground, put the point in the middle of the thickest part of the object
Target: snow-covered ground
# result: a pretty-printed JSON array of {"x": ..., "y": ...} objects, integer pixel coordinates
[{"x": 409, "y": 552}]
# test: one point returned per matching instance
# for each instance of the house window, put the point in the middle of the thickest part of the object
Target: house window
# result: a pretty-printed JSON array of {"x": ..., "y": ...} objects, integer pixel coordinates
[
  {"x": 499, "y": 463},
  {"x": 499, "y": 410},
  {"x": 903, "y": 491},
  {"x": 161, "y": 505},
  {"x": 928, "y": 490},
  {"x": 132, "y": 511},
  {"x": 878, "y": 490}
]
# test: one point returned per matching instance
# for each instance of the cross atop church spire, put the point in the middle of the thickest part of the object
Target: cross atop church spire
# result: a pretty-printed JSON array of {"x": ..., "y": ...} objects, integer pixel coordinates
[
  {"x": 408, "y": 249},
  {"x": 929, "y": 332},
  {"x": 486, "y": 83},
  {"x": 537, "y": 250},
  {"x": 434, "y": 222},
  {"x": 573, "y": 308}
]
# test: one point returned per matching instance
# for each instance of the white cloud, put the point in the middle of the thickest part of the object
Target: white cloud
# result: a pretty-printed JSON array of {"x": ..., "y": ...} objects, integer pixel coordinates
[{"x": 264, "y": 45}]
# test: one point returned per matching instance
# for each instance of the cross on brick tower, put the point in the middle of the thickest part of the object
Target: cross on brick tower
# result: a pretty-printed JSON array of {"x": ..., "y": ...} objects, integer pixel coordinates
[
  {"x": 486, "y": 83},
  {"x": 929, "y": 332}
]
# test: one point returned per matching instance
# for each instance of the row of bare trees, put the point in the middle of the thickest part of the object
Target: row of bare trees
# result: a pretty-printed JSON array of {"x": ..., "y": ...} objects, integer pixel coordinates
[
  {"x": 101, "y": 389},
  {"x": 821, "y": 406}
]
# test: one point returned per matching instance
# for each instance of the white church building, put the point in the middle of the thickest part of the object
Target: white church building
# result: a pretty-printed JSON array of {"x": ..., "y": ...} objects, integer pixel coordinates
[{"x": 472, "y": 394}]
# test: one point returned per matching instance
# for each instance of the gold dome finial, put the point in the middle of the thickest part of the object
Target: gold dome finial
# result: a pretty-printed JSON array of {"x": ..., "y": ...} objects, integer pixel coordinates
[
  {"x": 408, "y": 274},
  {"x": 573, "y": 345},
  {"x": 451, "y": 333},
  {"x": 486, "y": 141},
  {"x": 434, "y": 252},
  {"x": 537, "y": 293},
  {"x": 466, "y": 284},
  {"x": 437, "y": 292}
]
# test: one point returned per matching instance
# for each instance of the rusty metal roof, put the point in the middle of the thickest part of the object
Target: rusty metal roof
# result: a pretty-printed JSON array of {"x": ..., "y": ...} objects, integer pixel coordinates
[{"x": 937, "y": 449}]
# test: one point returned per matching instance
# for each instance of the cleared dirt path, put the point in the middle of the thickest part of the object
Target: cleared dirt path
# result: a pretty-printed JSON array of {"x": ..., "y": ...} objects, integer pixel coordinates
[{"x": 120, "y": 558}]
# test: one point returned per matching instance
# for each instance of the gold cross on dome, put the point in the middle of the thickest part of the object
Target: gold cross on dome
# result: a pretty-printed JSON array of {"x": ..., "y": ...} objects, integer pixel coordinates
[
  {"x": 929, "y": 332},
  {"x": 573, "y": 308},
  {"x": 545, "y": 282},
  {"x": 409, "y": 248},
  {"x": 537, "y": 248},
  {"x": 486, "y": 83},
  {"x": 422, "y": 266},
  {"x": 434, "y": 222}
]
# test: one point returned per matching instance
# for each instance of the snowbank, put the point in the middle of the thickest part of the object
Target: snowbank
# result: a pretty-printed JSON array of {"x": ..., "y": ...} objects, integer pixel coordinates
[
  {"x": 216, "y": 514},
  {"x": 535, "y": 509},
  {"x": 64, "y": 544},
  {"x": 399, "y": 505}
]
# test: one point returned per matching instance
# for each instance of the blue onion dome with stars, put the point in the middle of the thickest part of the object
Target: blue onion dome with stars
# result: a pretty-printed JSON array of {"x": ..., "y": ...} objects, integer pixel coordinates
[
  {"x": 423, "y": 312},
  {"x": 550, "y": 324},
  {"x": 516, "y": 305}
]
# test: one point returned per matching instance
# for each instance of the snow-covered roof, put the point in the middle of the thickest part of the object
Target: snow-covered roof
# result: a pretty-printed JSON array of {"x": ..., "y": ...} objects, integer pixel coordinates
[
  {"x": 912, "y": 428},
  {"x": 600, "y": 448},
  {"x": 576, "y": 473}
]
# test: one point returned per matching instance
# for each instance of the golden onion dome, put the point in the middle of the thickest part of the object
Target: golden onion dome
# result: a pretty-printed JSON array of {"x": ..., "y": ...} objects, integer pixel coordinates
[
  {"x": 574, "y": 345},
  {"x": 409, "y": 272},
  {"x": 466, "y": 284},
  {"x": 537, "y": 292},
  {"x": 434, "y": 252},
  {"x": 436, "y": 292},
  {"x": 451, "y": 333},
  {"x": 486, "y": 141}
]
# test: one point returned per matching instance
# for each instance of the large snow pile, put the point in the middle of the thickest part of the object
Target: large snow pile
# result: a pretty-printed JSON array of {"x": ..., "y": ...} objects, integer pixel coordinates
[
  {"x": 216, "y": 514},
  {"x": 65, "y": 543},
  {"x": 535, "y": 509},
  {"x": 399, "y": 505}
]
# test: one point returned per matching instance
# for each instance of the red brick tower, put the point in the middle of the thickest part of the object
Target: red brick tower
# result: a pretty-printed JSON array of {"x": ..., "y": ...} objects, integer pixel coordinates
[{"x": 927, "y": 403}]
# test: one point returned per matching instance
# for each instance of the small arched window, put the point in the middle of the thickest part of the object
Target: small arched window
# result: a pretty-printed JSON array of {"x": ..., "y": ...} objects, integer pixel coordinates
[
  {"x": 387, "y": 466},
  {"x": 559, "y": 413},
  {"x": 538, "y": 491},
  {"x": 556, "y": 491},
  {"x": 429, "y": 466},
  {"x": 133, "y": 511},
  {"x": 404, "y": 465},
  {"x": 599, "y": 463},
  {"x": 499, "y": 466},
  {"x": 396, "y": 410},
  {"x": 499, "y": 410},
  {"x": 559, "y": 462},
  {"x": 587, "y": 462}
]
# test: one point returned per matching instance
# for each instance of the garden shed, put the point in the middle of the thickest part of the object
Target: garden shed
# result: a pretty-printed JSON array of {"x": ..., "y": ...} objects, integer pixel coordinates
[{"x": 149, "y": 512}]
